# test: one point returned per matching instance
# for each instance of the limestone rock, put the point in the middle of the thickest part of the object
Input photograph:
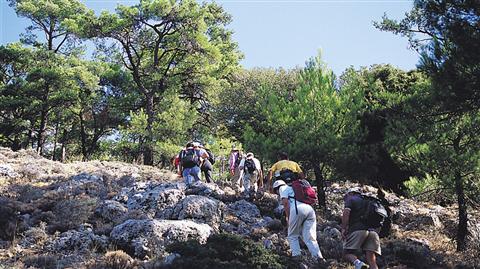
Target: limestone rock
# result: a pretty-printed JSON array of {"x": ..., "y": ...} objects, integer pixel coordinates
[
  {"x": 155, "y": 200},
  {"x": 140, "y": 238},
  {"x": 201, "y": 209},
  {"x": 245, "y": 211},
  {"x": 83, "y": 240},
  {"x": 110, "y": 210}
]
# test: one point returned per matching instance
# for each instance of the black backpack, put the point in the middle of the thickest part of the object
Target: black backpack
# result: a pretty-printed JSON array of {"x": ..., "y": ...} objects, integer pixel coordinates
[
  {"x": 189, "y": 158},
  {"x": 250, "y": 166},
  {"x": 374, "y": 212},
  {"x": 288, "y": 176},
  {"x": 211, "y": 157}
]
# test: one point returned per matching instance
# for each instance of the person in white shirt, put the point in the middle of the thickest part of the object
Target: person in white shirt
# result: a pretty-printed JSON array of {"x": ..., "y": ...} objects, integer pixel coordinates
[
  {"x": 300, "y": 224},
  {"x": 251, "y": 172}
]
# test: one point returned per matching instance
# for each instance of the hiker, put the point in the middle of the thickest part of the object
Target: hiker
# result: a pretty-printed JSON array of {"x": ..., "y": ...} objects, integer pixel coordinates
[
  {"x": 284, "y": 169},
  {"x": 176, "y": 163},
  {"x": 207, "y": 165},
  {"x": 356, "y": 233},
  {"x": 190, "y": 161},
  {"x": 251, "y": 173},
  {"x": 233, "y": 163},
  {"x": 301, "y": 219}
]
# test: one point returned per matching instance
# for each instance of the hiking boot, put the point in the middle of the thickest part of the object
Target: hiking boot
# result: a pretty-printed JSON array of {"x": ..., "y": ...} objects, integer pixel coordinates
[
  {"x": 361, "y": 265},
  {"x": 322, "y": 263}
]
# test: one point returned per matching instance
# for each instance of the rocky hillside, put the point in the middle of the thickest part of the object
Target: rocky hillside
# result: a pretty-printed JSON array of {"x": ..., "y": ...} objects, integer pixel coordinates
[{"x": 117, "y": 215}]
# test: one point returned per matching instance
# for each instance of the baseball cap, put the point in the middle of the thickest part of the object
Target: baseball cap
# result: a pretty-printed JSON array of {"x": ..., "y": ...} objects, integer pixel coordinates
[{"x": 355, "y": 190}]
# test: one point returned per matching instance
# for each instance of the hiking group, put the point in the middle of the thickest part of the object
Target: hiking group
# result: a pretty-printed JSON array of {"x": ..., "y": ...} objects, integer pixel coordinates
[{"x": 362, "y": 216}]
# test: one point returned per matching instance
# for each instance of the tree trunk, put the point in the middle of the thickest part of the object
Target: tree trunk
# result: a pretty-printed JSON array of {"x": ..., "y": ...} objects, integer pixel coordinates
[
  {"x": 54, "y": 158},
  {"x": 43, "y": 120},
  {"x": 83, "y": 138},
  {"x": 41, "y": 131},
  {"x": 30, "y": 135},
  {"x": 64, "y": 153},
  {"x": 64, "y": 146},
  {"x": 148, "y": 143},
  {"x": 320, "y": 185},
  {"x": 462, "y": 229}
]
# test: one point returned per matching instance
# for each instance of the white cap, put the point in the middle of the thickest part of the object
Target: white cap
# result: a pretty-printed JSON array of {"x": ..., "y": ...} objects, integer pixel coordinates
[
  {"x": 278, "y": 183},
  {"x": 355, "y": 190}
]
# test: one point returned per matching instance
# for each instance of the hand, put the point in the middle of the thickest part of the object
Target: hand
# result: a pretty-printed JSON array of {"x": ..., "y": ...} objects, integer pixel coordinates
[
  {"x": 232, "y": 172},
  {"x": 344, "y": 234}
]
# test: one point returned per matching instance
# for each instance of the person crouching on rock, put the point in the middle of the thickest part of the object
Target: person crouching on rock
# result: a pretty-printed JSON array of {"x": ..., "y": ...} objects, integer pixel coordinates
[{"x": 302, "y": 222}]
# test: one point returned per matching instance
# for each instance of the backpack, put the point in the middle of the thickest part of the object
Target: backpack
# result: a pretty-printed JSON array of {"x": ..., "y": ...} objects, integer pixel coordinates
[
  {"x": 249, "y": 166},
  {"x": 211, "y": 157},
  {"x": 375, "y": 213},
  {"x": 303, "y": 192},
  {"x": 288, "y": 176},
  {"x": 189, "y": 158}
]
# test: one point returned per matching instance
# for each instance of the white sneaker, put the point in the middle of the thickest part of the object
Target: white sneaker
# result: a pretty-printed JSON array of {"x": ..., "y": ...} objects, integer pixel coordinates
[{"x": 361, "y": 265}]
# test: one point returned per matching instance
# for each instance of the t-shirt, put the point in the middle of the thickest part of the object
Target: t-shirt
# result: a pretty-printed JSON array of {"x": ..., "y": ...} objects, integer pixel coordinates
[
  {"x": 285, "y": 164},
  {"x": 356, "y": 205}
]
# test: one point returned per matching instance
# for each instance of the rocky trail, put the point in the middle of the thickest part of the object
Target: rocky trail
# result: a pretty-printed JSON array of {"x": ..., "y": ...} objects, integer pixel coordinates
[{"x": 116, "y": 215}]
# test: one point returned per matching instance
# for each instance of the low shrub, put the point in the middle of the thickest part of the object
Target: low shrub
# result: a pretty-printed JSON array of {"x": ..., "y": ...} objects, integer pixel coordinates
[{"x": 224, "y": 251}]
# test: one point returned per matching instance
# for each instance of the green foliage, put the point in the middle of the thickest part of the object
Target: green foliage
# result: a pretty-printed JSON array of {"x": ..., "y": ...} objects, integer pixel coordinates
[
  {"x": 240, "y": 104},
  {"x": 178, "y": 46},
  {"x": 308, "y": 122},
  {"x": 446, "y": 33},
  {"x": 224, "y": 251},
  {"x": 385, "y": 90},
  {"x": 421, "y": 186}
]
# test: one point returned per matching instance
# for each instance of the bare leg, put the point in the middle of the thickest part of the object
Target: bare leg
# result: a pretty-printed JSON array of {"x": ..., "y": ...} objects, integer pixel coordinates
[
  {"x": 371, "y": 259},
  {"x": 349, "y": 257}
]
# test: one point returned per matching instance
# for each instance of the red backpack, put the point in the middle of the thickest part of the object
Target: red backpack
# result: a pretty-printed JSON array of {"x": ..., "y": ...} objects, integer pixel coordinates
[{"x": 303, "y": 192}]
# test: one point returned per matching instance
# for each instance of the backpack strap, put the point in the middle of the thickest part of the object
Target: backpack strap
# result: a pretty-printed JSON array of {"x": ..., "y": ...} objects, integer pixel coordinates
[{"x": 295, "y": 200}]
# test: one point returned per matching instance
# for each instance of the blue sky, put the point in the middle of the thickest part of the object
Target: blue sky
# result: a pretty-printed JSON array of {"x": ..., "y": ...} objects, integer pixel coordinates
[{"x": 287, "y": 33}]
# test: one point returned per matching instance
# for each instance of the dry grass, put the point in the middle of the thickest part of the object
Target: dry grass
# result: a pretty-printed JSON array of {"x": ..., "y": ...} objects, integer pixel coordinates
[{"x": 115, "y": 260}]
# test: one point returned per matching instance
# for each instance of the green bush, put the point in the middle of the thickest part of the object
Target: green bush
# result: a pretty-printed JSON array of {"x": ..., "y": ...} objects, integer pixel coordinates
[
  {"x": 429, "y": 188},
  {"x": 224, "y": 251}
]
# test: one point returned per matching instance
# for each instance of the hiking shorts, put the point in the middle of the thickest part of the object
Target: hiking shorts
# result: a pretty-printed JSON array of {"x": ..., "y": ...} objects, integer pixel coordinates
[{"x": 363, "y": 240}]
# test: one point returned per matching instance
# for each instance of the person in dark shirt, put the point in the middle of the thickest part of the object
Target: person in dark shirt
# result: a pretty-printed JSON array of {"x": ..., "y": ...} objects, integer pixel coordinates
[{"x": 356, "y": 234}]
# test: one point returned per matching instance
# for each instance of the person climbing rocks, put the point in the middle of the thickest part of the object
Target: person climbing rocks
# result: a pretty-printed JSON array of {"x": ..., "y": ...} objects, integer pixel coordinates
[
  {"x": 234, "y": 160},
  {"x": 302, "y": 222},
  {"x": 284, "y": 169},
  {"x": 190, "y": 161},
  {"x": 207, "y": 165},
  {"x": 250, "y": 172}
]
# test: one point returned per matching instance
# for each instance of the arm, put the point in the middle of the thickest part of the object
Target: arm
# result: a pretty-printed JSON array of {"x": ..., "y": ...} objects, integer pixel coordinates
[
  {"x": 260, "y": 178},
  {"x": 269, "y": 181},
  {"x": 345, "y": 221},
  {"x": 301, "y": 175},
  {"x": 286, "y": 207},
  {"x": 231, "y": 164}
]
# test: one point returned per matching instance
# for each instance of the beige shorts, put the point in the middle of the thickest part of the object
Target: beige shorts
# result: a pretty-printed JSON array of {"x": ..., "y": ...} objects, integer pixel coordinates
[{"x": 363, "y": 240}]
